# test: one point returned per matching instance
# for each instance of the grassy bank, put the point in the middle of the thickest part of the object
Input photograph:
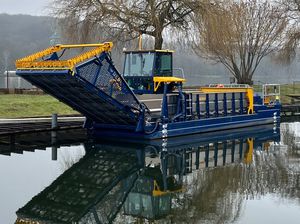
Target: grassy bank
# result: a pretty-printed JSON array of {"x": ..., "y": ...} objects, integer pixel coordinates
[
  {"x": 285, "y": 89},
  {"x": 19, "y": 105}
]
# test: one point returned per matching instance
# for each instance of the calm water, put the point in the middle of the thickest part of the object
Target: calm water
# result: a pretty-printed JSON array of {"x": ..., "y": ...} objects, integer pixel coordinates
[{"x": 242, "y": 176}]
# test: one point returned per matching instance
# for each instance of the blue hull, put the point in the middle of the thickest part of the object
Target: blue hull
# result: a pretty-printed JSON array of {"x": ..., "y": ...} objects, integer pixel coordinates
[{"x": 175, "y": 129}]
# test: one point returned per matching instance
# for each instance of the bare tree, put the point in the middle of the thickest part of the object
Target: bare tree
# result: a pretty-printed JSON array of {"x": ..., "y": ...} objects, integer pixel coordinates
[
  {"x": 124, "y": 19},
  {"x": 292, "y": 8},
  {"x": 239, "y": 34}
]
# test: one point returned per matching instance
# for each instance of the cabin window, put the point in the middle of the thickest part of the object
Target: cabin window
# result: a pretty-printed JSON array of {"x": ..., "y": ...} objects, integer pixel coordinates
[
  {"x": 164, "y": 65},
  {"x": 139, "y": 64}
]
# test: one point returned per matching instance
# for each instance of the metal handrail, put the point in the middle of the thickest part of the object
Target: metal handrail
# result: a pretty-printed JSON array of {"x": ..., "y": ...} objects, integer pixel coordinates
[
  {"x": 230, "y": 85},
  {"x": 266, "y": 95},
  {"x": 180, "y": 70},
  {"x": 31, "y": 62}
]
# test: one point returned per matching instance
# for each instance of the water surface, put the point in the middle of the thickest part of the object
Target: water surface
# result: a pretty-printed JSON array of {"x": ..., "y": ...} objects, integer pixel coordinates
[{"x": 239, "y": 176}]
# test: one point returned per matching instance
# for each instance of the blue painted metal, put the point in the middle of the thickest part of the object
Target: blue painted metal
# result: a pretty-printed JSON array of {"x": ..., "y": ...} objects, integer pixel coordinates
[
  {"x": 180, "y": 104},
  {"x": 207, "y": 105},
  {"x": 99, "y": 92},
  {"x": 241, "y": 148},
  {"x": 141, "y": 122},
  {"x": 232, "y": 150},
  {"x": 233, "y": 104},
  {"x": 225, "y": 104},
  {"x": 203, "y": 125},
  {"x": 188, "y": 105},
  {"x": 197, "y": 162},
  {"x": 198, "y": 106},
  {"x": 206, "y": 155},
  {"x": 216, "y": 105},
  {"x": 216, "y": 149},
  {"x": 224, "y": 152},
  {"x": 90, "y": 91},
  {"x": 164, "y": 107},
  {"x": 241, "y": 103}
]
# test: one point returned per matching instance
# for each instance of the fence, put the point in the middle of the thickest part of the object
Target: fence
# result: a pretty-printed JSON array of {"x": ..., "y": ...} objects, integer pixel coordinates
[{"x": 9, "y": 80}]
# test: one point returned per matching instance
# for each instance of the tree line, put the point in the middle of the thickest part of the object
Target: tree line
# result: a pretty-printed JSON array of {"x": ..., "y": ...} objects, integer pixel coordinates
[
  {"x": 237, "y": 34},
  {"x": 22, "y": 35}
]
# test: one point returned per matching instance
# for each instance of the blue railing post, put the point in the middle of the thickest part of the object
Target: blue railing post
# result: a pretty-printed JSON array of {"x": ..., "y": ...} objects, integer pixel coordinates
[
  {"x": 233, "y": 104},
  {"x": 224, "y": 152},
  {"x": 206, "y": 155},
  {"x": 225, "y": 104},
  {"x": 197, "y": 162},
  {"x": 207, "y": 105},
  {"x": 216, "y": 149},
  {"x": 241, "y": 103},
  {"x": 232, "y": 150},
  {"x": 241, "y": 148},
  {"x": 180, "y": 103},
  {"x": 198, "y": 106},
  {"x": 216, "y": 105}
]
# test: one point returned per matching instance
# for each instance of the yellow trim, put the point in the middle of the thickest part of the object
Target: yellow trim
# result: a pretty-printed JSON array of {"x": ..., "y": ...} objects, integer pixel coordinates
[
  {"x": 157, "y": 192},
  {"x": 266, "y": 146},
  {"x": 223, "y": 90},
  {"x": 250, "y": 96},
  {"x": 31, "y": 61},
  {"x": 249, "y": 154},
  {"x": 159, "y": 79},
  {"x": 165, "y": 51},
  {"x": 22, "y": 221},
  {"x": 41, "y": 68},
  {"x": 249, "y": 93}
]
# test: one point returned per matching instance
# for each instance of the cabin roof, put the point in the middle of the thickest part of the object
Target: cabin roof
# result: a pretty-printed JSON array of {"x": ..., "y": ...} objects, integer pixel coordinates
[{"x": 149, "y": 51}]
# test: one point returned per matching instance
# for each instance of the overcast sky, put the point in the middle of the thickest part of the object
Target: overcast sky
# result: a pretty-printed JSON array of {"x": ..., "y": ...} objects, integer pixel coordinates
[{"x": 32, "y": 7}]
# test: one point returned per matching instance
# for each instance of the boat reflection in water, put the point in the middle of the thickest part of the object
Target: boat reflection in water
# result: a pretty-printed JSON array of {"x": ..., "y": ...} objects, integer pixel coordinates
[{"x": 178, "y": 179}]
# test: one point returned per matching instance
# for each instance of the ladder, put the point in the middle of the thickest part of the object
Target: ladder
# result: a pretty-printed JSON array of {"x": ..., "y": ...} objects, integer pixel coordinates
[{"x": 188, "y": 105}]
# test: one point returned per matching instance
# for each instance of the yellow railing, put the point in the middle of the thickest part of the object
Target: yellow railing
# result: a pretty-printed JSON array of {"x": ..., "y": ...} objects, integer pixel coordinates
[
  {"x": 157, "y": 192},
  {"x": 23, "y": 221},
  {"x": 248, "y": 158},
  {"x": 34, "y": 61},
  {"x": 240, "y": 89},
  {"x": 161, "y": 79}
]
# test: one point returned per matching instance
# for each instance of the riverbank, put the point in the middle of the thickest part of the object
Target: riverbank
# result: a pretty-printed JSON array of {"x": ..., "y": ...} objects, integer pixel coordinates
[
  {"x": 23, "y": 105},
  {"x": 20, "y": 106}
]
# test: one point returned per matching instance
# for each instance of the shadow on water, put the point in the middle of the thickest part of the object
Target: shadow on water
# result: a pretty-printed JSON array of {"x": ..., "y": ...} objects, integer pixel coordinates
[{"x": 204, "y": 178}]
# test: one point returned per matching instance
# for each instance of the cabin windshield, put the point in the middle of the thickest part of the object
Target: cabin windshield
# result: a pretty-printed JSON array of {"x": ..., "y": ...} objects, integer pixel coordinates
[{"x": 139, "y": 64}]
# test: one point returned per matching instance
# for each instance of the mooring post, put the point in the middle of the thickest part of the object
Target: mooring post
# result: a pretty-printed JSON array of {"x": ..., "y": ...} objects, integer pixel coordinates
[
  {"x": 54, "y": 153},
  {"x": 54, "y": 147},
  {"x": 54, "y": 123},
  {"x": 12, "y": 141}
]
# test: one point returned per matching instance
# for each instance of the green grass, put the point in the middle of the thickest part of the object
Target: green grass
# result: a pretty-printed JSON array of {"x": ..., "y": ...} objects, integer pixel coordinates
[
  {"x": 288, "y": 89},
  {"x": 19, "y": 105},
  {"x": 285, "y": 89}
]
